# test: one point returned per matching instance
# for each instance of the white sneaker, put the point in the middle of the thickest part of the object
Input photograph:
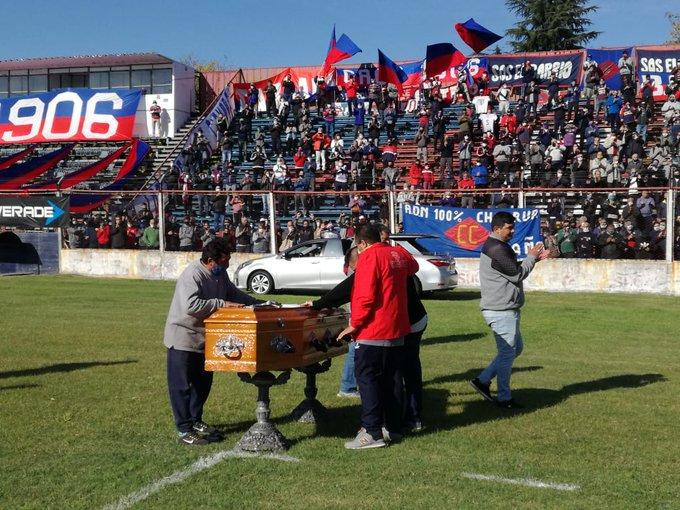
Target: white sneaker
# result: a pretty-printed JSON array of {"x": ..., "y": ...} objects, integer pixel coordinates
[
  {"x": 363, "y": 441},
  {"x": 348, "y": 394}
]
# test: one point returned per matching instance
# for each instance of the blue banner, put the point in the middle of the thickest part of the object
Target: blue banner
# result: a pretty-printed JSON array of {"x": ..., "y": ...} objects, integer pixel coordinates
[
  {"x": 508, "y": 68},
  {"x": 69, "y": 115},
  {"x": 656, "y": 63},
  {"x": 608, "y": 62},
  {"x": 462, "y": 232}
]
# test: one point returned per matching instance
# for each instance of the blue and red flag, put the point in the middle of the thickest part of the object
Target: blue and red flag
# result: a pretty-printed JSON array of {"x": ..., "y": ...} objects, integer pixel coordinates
[
  {"x": 83, "y": 203},
  {"x": 339, "y": 50},
  {"x": 390, "y": 72},
  {"x": 82, "y": 174},
  {"x": 20, "y": 174},
  {"x": 8, "y": 161},
  {"x": 476, "y": 36},
  {"x": 441, "y": 57}
]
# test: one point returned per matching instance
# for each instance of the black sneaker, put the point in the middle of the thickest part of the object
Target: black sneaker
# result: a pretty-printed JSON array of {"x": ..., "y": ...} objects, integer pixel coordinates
[
  {"x": 191, "y": 438},
  {"x": 482, "y": 389},
  {"x": 508, "y": 404},
  {"x": 205, "y": 430}
]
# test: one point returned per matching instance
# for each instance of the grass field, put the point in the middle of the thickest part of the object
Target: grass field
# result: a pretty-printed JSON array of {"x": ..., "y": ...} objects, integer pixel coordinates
[{"x": 85, "y": 418}]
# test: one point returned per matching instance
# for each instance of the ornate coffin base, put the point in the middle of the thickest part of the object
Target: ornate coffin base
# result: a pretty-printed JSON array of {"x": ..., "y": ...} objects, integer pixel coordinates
[
  {"x": 310, "y": 410},
  {"x": 263, "y": 436}
]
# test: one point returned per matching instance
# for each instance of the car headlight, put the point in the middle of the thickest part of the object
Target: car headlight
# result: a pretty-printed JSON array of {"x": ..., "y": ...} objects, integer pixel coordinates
[{"x": 243, "y": 264}]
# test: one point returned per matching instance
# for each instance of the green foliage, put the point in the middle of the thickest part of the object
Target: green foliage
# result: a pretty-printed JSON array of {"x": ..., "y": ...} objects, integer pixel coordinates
[
  {"x": 547, "y": 25},
  {"x": 674, "y": 20},
  {"x": 85, "y": 417}
]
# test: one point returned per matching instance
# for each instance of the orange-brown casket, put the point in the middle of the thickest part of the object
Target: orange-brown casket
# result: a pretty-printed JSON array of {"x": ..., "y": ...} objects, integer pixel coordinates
[{"x": 256, "y": 339}]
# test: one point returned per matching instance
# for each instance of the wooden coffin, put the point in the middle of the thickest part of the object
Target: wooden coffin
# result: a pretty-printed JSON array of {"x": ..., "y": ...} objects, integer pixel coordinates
[{"x": 255, "y": 339}]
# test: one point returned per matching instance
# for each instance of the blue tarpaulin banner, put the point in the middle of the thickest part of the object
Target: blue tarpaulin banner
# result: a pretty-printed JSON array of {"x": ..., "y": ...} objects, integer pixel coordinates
[
  {"x": 608, "y": 62},
  {"x": 508, "y": 68},
  {"x": 462, "y": 232},
  {"x": 658, "y": 64}
]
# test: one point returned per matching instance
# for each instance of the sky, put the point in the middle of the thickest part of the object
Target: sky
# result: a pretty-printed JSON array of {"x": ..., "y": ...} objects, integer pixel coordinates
[{"x": 271, "y": 33}]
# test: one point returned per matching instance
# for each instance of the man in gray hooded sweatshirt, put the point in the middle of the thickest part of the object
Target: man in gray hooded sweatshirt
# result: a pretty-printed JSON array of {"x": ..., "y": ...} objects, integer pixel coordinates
[{"x": 201, "y": 289}]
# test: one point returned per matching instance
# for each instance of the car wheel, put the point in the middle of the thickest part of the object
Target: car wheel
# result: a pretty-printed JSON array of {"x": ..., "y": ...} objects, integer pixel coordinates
[
  {"x": 419, "y": 286},
  {"x": 261, "y": 282}
]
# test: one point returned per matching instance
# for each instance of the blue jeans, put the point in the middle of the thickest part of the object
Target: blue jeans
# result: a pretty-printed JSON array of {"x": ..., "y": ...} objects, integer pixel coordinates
[
  {"x": 348, "y": 382},
  {"x": 330, "y": 128},
  {"x": 218, "y": 221},
  {"x": 505, "y": 327}
]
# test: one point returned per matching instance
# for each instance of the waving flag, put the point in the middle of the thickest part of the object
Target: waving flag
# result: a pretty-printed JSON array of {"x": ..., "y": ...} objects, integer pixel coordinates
[
  {"x": 339, "y": 50},
  {"x": 390, "y": 72},
  {"x": 8, "y": 161},
  {"x": 476, "y": 36},
  {"x": 83, "y": 174},
  {"x": 441, "y": 57},
  {"x": 414, "y": 76},
  {"x": 82, "y": 203},
  {"x": 15, "y": 176}
]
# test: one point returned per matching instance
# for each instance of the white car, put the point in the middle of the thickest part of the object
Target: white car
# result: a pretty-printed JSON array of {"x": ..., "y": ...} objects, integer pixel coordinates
[{"x": 318, "y": 265}]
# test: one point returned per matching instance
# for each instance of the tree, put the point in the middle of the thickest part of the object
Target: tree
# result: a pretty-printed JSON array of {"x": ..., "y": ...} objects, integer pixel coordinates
[
  {"x": 203, "y": 66},
  {"x": 674, "y": 20},
  {"x": 547, "y": 25}
]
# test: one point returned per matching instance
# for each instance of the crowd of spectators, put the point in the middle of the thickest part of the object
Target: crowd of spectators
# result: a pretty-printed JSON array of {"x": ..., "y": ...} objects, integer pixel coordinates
[{"x": 537, "y": 135}]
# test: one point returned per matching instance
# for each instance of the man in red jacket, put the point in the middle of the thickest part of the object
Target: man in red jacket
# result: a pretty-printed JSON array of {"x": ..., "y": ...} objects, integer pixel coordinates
[{"x": 378, "y": 323}]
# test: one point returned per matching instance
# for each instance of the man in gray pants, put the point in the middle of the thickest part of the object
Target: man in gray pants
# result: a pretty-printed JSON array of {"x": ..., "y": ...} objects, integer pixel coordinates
[
  {"x": 500, "y": 278},
  {"x": 202, "y": 288}
]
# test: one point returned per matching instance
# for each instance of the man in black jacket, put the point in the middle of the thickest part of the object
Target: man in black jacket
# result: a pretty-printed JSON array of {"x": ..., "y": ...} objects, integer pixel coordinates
[{"x": 118, "y": 232}]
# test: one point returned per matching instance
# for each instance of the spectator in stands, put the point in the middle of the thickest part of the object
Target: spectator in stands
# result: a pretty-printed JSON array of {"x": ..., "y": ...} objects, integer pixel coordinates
[
  {"x": 359, "y": 118},
  {"x": 132, "y": 235},
  {"x": 329, "y": 119},
  {"x": 391, "y": 176},
  {"x": 340, "y": 182},
  {"x": 270, "y": 98},
  {"x": 611, "y": 243},
  {"x": 118, "y": 232},
  {"x": 528, "y": 77},
  {"x": 467, "y": 182},
  {"x": 428, "y": 177},
  {"x": 421, "y": 140},
  {"x": 219, "y": 207},
  {"x": 480, "y": 175},
  {"x": 243, "y": 235},
  {"x": 150, "y": 237},
  {"x": 155, "y": 112},
  {"x": 103, "y": 234},
  {"x": 187, "y": 233},
  {"x": 261, "y": 238},
  {"x": 300, "y": 186},
  {"x": 321, "y": 142}
]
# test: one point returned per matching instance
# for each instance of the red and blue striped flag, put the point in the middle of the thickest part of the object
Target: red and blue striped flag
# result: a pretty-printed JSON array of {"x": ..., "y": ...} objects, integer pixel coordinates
[
  {"x": 339, "y": 50},
  {"x": 441, "y": 57},
  {"x": 476, "y": 36},
  {"x": 390, "y": 72}
]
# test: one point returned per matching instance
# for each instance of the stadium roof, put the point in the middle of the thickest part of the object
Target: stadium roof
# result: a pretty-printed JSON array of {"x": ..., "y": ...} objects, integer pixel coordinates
[{"x": 122, "y": 59}]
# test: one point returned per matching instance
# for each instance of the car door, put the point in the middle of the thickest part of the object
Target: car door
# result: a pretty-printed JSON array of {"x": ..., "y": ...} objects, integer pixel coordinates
[
  {"x": 332, "y": 263},
  {"x": 299, "y": 267}
]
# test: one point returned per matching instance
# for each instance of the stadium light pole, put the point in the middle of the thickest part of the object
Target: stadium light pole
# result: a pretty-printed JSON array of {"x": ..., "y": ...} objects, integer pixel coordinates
[
  {"x": 670, "y": 224},
  {"x": 272, "y": 226},
  {"x": 161, "y": 215}
]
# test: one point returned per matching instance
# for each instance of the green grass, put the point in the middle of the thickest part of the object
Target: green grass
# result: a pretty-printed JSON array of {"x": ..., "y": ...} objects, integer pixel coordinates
[{"x": 85, "y": 417}]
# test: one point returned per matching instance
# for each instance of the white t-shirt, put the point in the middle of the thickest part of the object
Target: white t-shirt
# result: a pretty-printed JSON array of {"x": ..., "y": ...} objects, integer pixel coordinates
[
  {"x": 488, "y": 120},
  {"x": 481, "y": 103}
]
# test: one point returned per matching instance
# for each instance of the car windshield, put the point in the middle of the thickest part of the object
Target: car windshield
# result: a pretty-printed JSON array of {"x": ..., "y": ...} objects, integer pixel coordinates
[{"x": 414, "y": 247}]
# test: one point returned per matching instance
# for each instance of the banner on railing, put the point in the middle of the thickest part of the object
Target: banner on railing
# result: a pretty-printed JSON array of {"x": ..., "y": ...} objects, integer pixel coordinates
[
  {"x": 17, "y": 175},
  {"x": 69, "y": 115},
  {"x": 659, "y": 63},
  {"x": 608, "y": 62},
  {"x": 34, "y": 211},
  {"x": 462, "y": 232},
  {"x": 508, "y": 68}
]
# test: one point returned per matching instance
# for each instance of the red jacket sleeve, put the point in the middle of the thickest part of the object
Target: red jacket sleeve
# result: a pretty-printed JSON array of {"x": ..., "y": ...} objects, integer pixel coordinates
[
  {"x": 364, "y": 291},
  {"x": 411, "y": 263}
]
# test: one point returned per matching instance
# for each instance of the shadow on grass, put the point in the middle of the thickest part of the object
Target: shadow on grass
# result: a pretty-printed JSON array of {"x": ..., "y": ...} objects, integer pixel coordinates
[
  {"x": 533, "y": 399},
  {"x": 465, "y": 337},
  {"x": 19, "y": 386},
  {"x": 471, "y": 374},
  {"x": 456, "y": 295},
  {"x": 61, "y": 367}
]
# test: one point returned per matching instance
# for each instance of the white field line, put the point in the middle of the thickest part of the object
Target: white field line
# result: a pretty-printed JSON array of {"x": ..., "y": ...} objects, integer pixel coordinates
[
  {"x": 527, "y": 482},
  {"x": 200, "y": 465}
]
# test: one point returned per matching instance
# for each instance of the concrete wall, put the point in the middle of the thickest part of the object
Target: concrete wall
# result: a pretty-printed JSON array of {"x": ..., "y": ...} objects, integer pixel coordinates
[
  {"x": 591, "y": 275},
  {"x": 561, "y": 275},
  {"x": 142, "y": 264}
]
